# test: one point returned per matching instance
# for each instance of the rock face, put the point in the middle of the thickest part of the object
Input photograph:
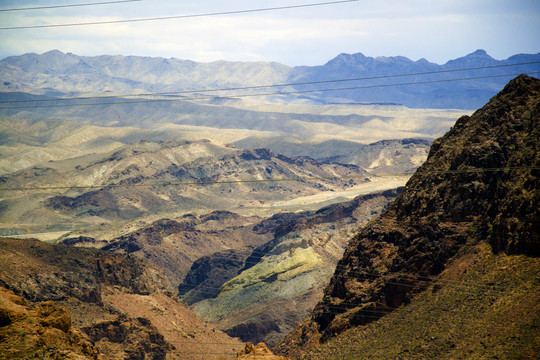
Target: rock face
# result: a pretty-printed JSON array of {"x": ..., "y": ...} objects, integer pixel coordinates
[
  {"x": 42, "y": 272},
  {"x": 480, "y": 183},
  {"x": 41, "y": 331}
]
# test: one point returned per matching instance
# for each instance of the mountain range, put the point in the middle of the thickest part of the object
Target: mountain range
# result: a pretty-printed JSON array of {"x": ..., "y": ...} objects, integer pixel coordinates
[{"x": 433, "y": 86}]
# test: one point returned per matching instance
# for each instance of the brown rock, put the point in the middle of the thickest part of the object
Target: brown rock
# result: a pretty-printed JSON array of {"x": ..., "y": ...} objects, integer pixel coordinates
[
  {"x": 42, "y": 332},
  {"x": 258, "y": 352},
  {"x": 54, "y": 316}
]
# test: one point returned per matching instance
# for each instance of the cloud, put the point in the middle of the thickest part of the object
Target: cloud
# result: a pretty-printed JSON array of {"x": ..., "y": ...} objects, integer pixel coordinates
[
  {"x": 438, "y": 31},
  {"x": 203, "y": 39}
]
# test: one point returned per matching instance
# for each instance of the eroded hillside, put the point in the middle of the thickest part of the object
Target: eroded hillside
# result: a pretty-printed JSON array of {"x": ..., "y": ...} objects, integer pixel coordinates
[{"x": 124, "y": 306}]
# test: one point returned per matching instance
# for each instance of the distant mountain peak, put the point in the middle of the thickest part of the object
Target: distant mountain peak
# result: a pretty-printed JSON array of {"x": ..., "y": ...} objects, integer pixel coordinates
[
  {"x": 54, "y": 52},
  {"x": 477, "y": 58},
  {"x": 346, "y": 59},
  {"x": 479, "y": 53}
]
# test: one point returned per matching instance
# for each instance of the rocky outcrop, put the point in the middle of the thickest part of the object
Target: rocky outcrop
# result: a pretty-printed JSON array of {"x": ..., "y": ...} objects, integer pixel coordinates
[
  {"x": 258, "y": 352},
  {"x": 123, "y": 305},
  {"x": 41, "y": 331},
  {"x": 76, "y": 278},
  {"x": 83, "y": 241},
  {"x": 480, "y": 183},
  {"x": 128, "y": 338}
]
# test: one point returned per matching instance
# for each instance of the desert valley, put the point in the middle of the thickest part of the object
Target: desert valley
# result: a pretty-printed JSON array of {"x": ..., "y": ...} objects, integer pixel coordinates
[{"x": 157, "y": 208}]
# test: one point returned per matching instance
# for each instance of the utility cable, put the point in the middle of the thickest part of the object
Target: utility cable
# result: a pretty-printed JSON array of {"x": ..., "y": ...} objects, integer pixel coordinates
[
  {"x": 265, "y": 94},
  {"x": 269, "y": 85},
  {"x": 356, "y": 275},
  {"x": 306, "y": 178},
  {"x": 67, "y": 5},
  {"x": 234, "y": 12}
]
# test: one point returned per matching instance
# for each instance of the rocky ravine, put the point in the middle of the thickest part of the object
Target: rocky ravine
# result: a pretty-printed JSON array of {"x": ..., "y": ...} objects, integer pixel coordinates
[
  {"x": 174, "y": 245},
  {"x": 480, "y": 183},
  {"x": 240, "y": 272},
  {"x": 261, "y": 295}
]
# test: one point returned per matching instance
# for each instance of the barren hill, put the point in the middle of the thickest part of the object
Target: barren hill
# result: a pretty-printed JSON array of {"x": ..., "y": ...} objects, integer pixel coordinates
[
  {"x": 167, "y": 178},
  {"x": 478, "y": 189}
]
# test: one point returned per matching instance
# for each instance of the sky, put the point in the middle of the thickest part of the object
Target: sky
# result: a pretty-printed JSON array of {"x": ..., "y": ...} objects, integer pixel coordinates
[{"x": 438, "y": 31}]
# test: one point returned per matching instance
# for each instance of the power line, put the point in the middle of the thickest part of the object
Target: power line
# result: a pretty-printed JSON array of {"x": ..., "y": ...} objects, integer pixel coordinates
[
  {"x": 67, "y": 5},
  {"x": 384, "y": 310},
  {"x": 184, "y": 183},
  {"x": 453, "y": 284},
  {"x": 269, "y": 85},
  {"x": 254, "y": 253},
  {"x": 267, "y": 93},
  {"x": 463, "y": 287},
  {"x": 304, "y": 178},
  {"x": 179, "y": 16},
  {"x": 340, "y": 270}
]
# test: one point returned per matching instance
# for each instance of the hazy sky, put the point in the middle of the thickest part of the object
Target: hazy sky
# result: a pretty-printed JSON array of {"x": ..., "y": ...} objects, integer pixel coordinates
[{"x": 438, "y": 30}]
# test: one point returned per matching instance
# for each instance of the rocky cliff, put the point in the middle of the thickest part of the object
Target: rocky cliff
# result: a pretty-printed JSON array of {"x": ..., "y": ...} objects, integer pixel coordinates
[{"x": 479, "y": 184}]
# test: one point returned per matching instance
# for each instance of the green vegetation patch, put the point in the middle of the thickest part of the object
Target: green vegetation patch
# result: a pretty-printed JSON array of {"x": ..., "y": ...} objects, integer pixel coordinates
[{"x": 280, "y": 267}]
